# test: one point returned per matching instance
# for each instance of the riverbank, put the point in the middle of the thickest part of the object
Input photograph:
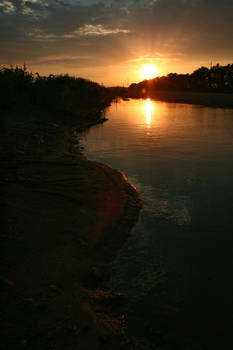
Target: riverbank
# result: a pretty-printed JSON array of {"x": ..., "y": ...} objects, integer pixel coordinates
[
  {"x": 65, "y": 217},
  {"x": 217, "y": 100}
]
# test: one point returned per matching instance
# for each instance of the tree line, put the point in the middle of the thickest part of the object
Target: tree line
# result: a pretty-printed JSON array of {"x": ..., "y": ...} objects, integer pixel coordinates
[
  {"x": 215, "y": 79},
  {"x": 20, "y": 89}
]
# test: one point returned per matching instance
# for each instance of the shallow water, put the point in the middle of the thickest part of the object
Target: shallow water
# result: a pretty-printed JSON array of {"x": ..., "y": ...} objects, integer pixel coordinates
[{"x": 176, "y": 267}]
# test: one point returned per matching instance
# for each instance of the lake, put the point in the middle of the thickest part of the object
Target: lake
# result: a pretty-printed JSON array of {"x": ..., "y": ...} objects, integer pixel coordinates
[{"x": 176, "y": 267}]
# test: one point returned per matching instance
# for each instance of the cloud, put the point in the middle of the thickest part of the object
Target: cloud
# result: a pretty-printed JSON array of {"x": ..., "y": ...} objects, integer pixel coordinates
[
  {"x": 197, "y": 27},
  {"x": 159, "y": 58},
  {"x": 64, "y": 59},
  {"x": 86, "y": 30},
  {"x": 7, "y": 6},
  {"x": 39, "y": 34},
  {"x": 28, "y": 2},
  {"x": 99, "y": 29}
]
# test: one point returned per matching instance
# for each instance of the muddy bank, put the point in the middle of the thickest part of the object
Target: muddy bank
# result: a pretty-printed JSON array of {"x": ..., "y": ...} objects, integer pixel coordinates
[{"x": 64, "y": 219}]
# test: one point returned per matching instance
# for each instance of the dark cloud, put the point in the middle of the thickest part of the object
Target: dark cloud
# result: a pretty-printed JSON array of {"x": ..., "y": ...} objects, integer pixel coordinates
[{"x": 180, "y": 23}]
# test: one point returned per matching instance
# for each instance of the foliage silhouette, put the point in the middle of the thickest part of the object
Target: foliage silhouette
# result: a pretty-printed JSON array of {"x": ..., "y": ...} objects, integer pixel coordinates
[
  {"x": 60, "y": 94},
  {"x": 215, "y": 79}
]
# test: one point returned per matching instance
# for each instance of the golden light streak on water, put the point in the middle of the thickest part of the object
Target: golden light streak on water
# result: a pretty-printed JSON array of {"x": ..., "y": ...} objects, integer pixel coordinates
[{"x": 148, "y": 108}]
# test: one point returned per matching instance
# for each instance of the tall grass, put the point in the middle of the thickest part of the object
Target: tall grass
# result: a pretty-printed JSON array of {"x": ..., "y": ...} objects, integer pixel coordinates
[{"x": 54, "y": 93}]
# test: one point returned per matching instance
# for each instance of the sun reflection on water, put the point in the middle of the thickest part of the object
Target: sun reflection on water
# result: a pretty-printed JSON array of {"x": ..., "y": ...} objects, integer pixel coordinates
[{"x": 148, "y": 108}]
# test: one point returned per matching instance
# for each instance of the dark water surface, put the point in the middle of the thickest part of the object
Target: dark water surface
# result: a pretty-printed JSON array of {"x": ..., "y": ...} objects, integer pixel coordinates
[{"x": 176, "y": 268}]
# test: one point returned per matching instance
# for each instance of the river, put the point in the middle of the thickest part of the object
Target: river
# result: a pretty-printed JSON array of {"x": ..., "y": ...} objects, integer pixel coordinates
[{"x": 176, "y": 267}]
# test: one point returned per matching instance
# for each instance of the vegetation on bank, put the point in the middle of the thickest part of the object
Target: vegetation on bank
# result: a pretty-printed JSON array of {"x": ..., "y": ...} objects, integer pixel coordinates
[
  {"x": 64, "y": 218},
  {"x": 217, "y": 79},
  {"x": 59, "y": 94}
]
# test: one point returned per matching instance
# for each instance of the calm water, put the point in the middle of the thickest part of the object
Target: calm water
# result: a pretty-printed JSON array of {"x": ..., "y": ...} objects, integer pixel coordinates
[{"x": 176, "y": 268}]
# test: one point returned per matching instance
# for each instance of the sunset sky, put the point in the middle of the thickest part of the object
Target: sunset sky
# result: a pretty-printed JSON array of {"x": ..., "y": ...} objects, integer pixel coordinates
[{"x": 110, "y": 41}]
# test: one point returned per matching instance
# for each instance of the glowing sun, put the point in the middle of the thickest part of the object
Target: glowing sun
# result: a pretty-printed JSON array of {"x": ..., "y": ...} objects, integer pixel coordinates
[{"x": 148, "y": 71}]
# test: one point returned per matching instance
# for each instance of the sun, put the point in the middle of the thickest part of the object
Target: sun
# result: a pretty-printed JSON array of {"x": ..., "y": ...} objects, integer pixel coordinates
[{"x": 148, "y": 71}]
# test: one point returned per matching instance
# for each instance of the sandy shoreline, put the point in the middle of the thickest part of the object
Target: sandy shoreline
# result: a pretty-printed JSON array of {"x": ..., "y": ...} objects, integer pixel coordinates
[{"x": 65, "y": 217}]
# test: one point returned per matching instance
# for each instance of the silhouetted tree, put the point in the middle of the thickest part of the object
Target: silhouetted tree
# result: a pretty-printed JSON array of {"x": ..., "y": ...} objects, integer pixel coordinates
[{"x": 216, "y": 79}]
